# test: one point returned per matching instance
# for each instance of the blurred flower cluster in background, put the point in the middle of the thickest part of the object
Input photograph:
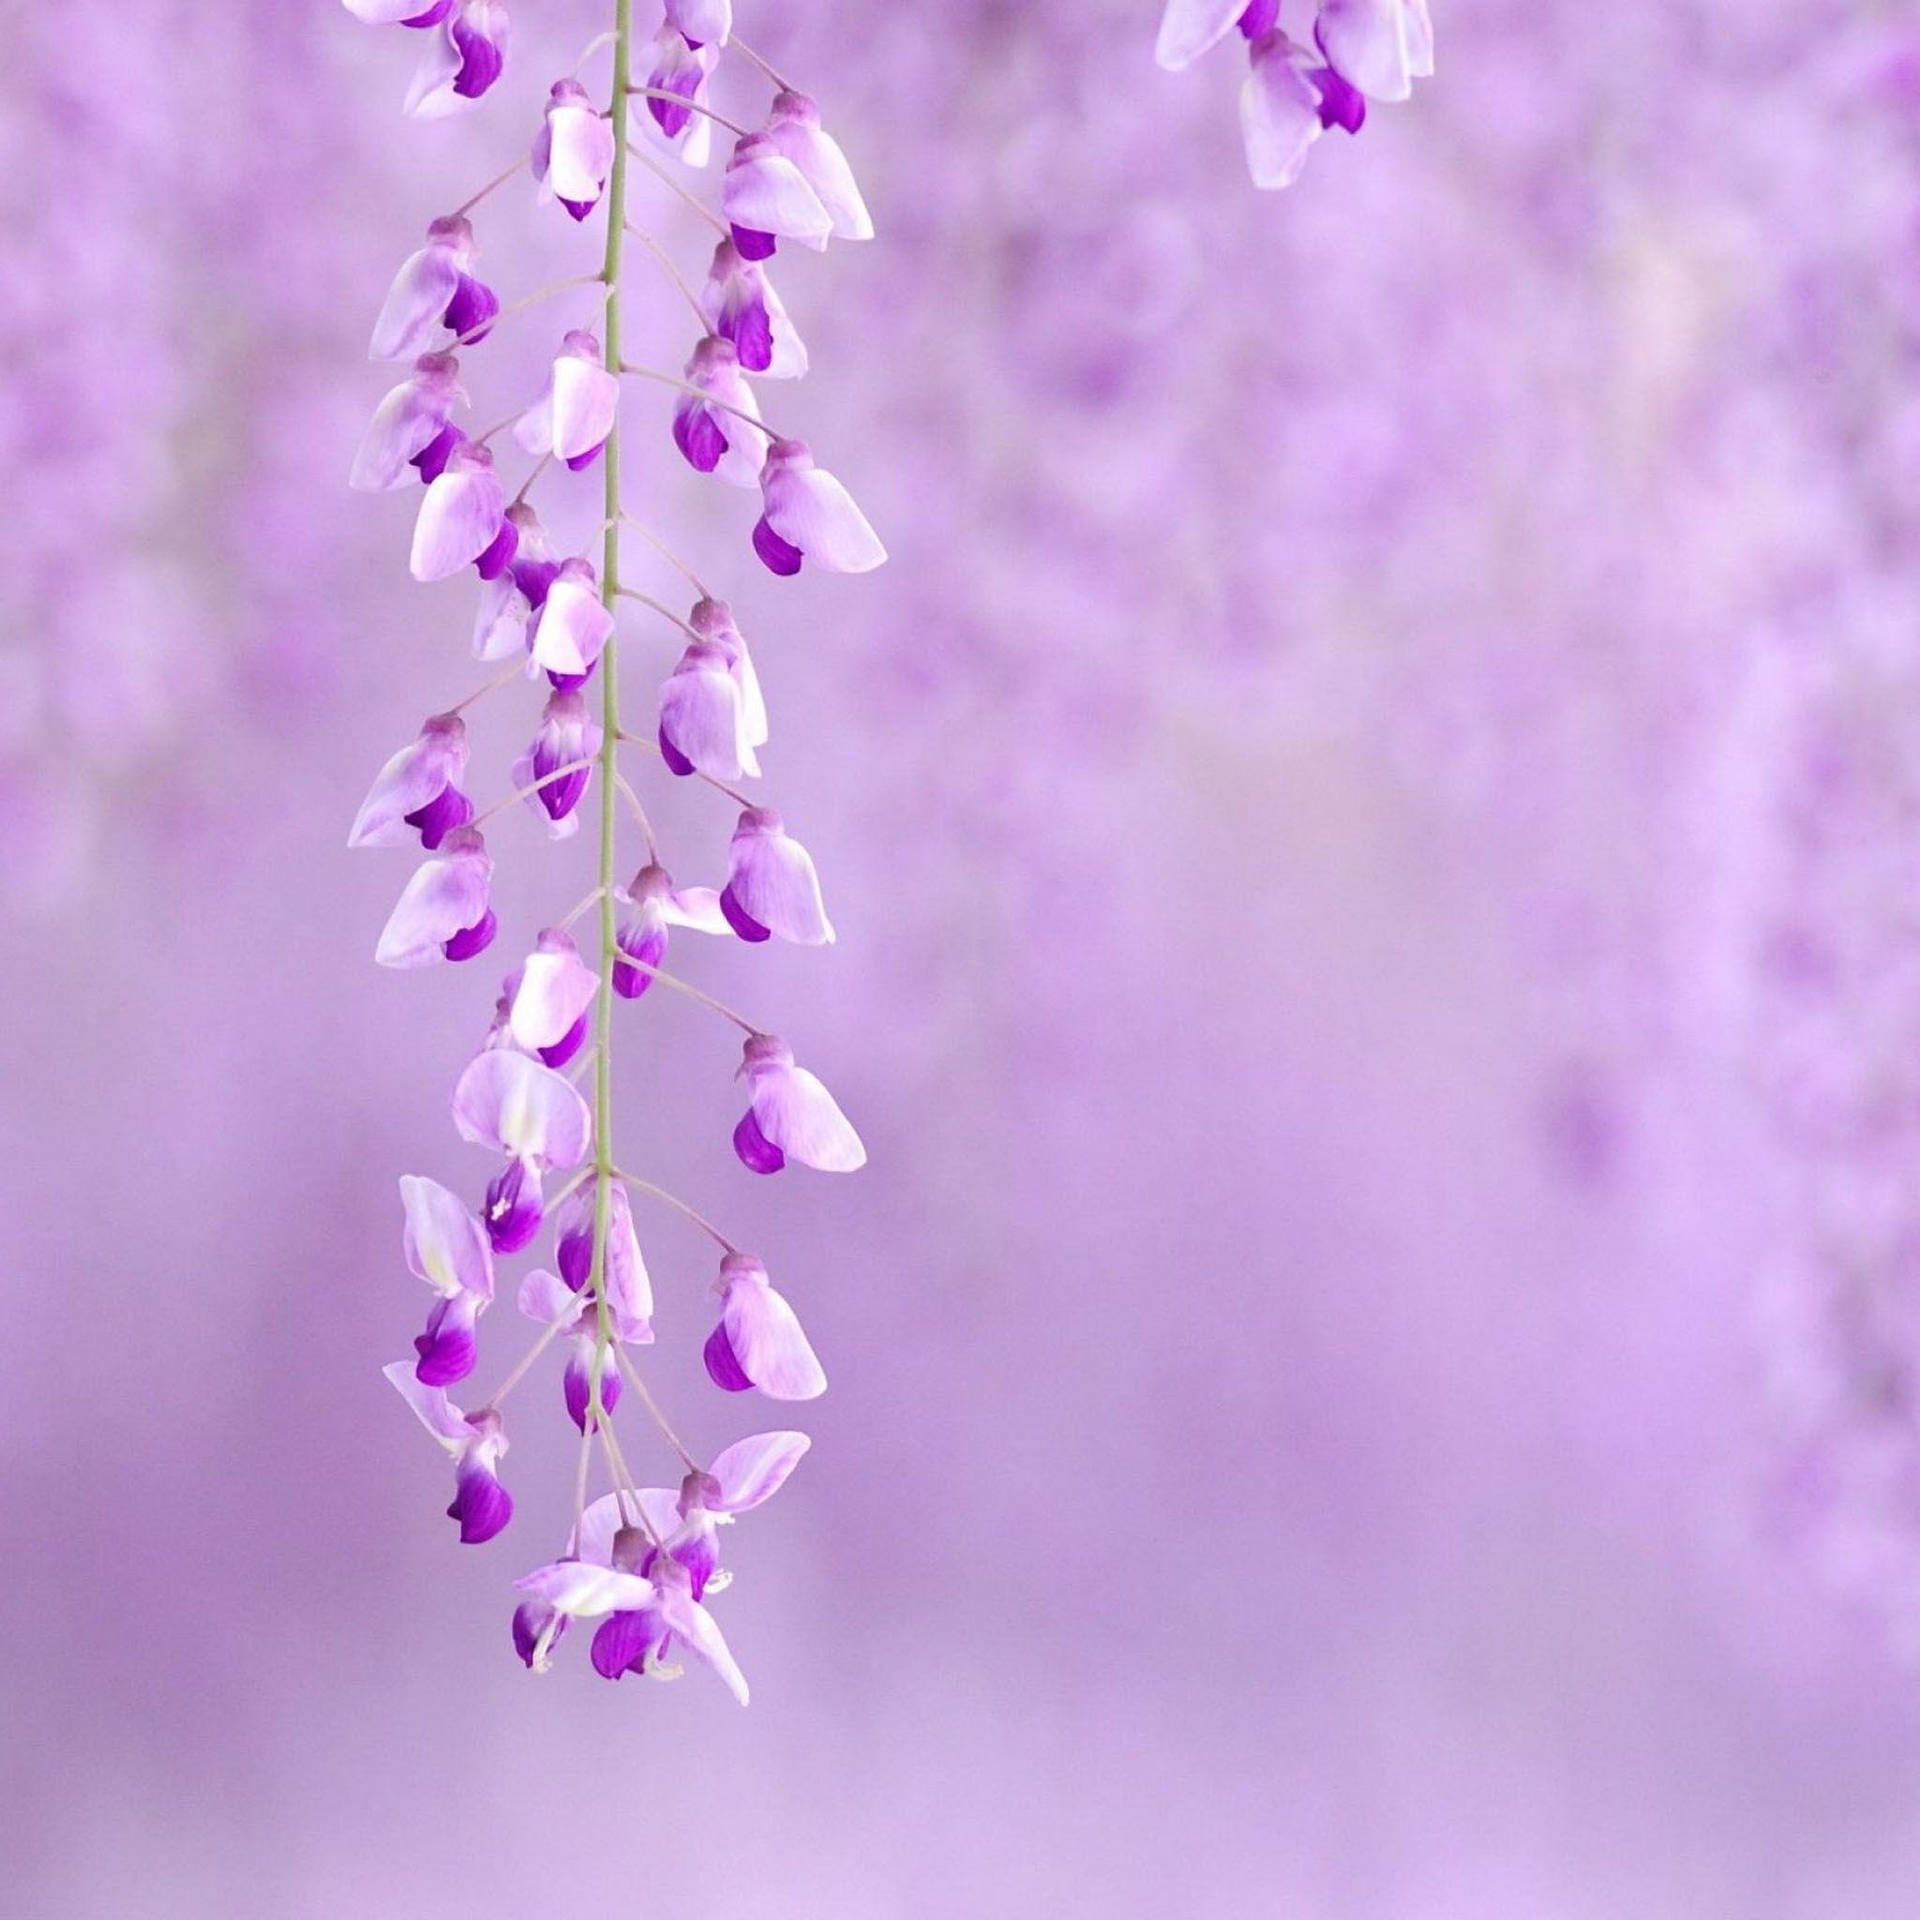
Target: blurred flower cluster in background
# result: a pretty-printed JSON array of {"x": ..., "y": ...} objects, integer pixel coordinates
[{"x": 1374, "y": 819}]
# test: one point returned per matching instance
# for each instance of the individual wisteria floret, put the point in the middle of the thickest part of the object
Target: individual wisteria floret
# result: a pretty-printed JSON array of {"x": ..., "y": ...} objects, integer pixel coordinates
[
  {"x": 640, "y": 1561},
  {"x": 465, "y": 54},
  {"x": 1362, "y": 50}
]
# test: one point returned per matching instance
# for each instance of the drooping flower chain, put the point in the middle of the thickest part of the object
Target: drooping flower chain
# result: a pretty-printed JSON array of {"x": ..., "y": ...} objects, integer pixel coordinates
[
  {"x": 1363, "y": 50},
  {"x": 641, "y": 1560}
]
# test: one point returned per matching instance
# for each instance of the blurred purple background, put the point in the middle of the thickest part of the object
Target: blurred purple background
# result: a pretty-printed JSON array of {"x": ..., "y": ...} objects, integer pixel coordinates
[{"x": 1372, "y": 825}]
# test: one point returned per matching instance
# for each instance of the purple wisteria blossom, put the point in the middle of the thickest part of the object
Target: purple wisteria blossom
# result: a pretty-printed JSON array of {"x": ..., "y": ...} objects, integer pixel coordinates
[
  {"x": 1362, "y": 50},
  {"x": 551, "y": 584}
]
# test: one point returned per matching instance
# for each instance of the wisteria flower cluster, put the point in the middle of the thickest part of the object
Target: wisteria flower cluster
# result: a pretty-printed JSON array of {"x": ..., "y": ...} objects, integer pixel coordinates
[
  {"x": 643, "y": 1561},
  {"x": 1362, "y": 50}
]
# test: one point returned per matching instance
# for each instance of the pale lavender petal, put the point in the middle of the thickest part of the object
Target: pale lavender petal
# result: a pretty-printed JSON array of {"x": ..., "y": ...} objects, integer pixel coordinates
[
  {"x": 545, "y": 1297},
  {"x": 411, "y": 315},
  {"x": 408, "y": 420},
  {"x": 573, "y": 626},
  {"x": 1279, "y": 114},
  {"x": 509, "y": 1102},
  {"x": 765, "y": 1335},
  {"x": 460, "y": 517},
  {"x": 415, "y": 777},
  {"x": 581, "y": 1589},
  {"x": 686, "y": 1617},
  {"x": 446, "y": 896},
  {"x": 556, "y": 988},
  {"x": 702, "y": 22},
  {"x": 599, "y": 1526},
  {"x": 754, "y": 1470},
  {"x": 629, "y": 1286},
  {"x": 702, "y": 717},
  {"x": 797, "y": 1114},
  {"x": 585, "y": 400},
  {"x": 764, "y": 192},
  {"x": 809, "y": 509},
  {"x": 581, "y": 149},
  {"x": 1189, "y": 27},
  {"x": 796, "y": 134},
  {"x": 431, "y": 1407},
  {"x": 772, "y": 881},
  {"x": 444, "y": 1244},
  {"x": 1367, "y": 43}
]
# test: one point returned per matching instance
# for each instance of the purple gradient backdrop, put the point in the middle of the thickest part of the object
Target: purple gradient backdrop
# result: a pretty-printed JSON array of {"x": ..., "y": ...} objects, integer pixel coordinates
[{"x": 1371, "y": 821}]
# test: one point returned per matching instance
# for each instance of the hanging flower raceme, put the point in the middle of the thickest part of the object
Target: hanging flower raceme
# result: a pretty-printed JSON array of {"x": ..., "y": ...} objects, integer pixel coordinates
[
  {"x": 573, "y": 151},
  {"x": 641, "y": 1562},
  {"x": 1367, "y": 49}
]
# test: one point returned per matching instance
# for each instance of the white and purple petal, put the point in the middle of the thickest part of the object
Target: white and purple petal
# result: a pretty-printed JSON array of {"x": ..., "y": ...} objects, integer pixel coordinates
[
  {"x": 766, "y": 197},
  {"x": 772, "y": 887},
  {"x": 759, "y": 1341},
  {"x": 573, "y": 625},
  {"x": 556, "y": 989},
  {"x": 401, "y": 801},
  {"x": 512, "y": 1103},
  {"x": 407, "y": 422},
  {"x": 444, "y": 911},
  {"x": 811, "y": 516},
  {"x": 795, "y": 1114},
  {"x": 461, "y": 516}
]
